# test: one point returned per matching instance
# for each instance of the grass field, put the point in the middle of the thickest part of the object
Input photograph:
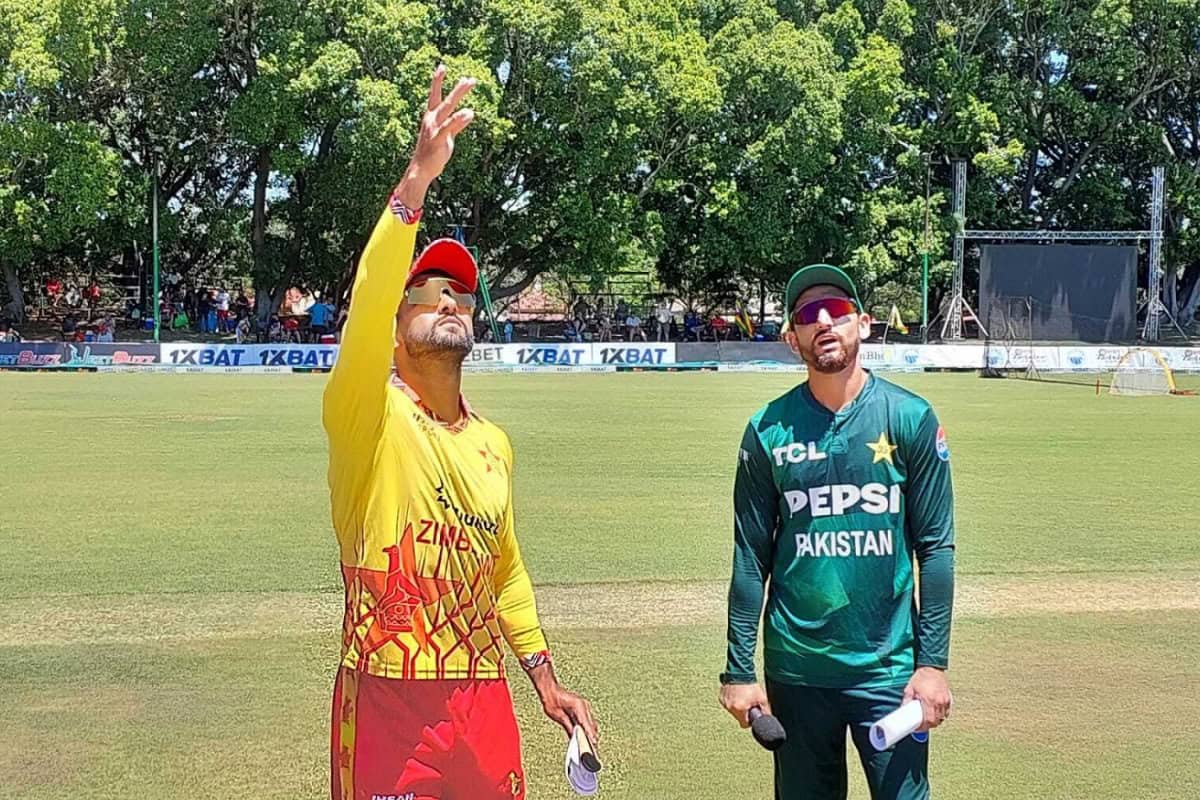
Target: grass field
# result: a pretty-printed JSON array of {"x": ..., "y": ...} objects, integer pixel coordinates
[{"x": 169, "y": 598}]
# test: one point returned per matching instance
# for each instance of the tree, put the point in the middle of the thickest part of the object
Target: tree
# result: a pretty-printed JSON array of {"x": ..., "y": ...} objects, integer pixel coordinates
[{"x": 57, "y": 179}]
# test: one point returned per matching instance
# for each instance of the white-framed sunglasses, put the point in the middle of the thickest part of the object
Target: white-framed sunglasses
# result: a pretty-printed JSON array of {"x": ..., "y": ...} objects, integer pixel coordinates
[{"x": 429, "y": 293}]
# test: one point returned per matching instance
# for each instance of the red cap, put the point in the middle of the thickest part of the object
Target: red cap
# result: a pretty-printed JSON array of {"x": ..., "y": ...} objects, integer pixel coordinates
[{"x": 450, "y": 257}]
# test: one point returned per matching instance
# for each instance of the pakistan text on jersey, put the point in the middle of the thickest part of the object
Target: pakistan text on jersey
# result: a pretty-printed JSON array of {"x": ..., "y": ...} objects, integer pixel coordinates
[
  {"x": 844, "y": 544},
  {"x": 842, "y": 498},
  {"x": 465, "y": 517}
]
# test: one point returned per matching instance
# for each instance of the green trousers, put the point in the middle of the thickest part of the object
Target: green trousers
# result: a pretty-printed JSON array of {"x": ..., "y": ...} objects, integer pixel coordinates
[{"x": 812, "y": 764}]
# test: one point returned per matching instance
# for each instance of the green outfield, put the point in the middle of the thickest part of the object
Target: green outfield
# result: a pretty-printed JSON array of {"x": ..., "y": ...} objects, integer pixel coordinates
[{"x": 169, "y": 597}]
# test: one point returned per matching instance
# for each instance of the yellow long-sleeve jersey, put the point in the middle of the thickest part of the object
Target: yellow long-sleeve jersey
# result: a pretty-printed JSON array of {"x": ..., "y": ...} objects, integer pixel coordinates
[{"x": 423, "y": 513}]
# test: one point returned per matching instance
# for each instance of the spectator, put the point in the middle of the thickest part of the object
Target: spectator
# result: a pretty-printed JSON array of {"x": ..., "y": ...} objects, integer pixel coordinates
[
  {"x": 73, "y": 298},
  {"x": 508, "y": 330},
  {"x": 222, "y": 304},
  {"x": 343, "y": 315},
  {"x": 203, "y": 306},
  {"x": 634, "y": 323},
  {"x": 105, "y": 329},
  {"x": 8, "y": 333},
  {"x": 321, "y": 317},
  {"x": 69, "y": 327},
  {"x": 663, "y": 316},
  {"x": 54, "y": 291},
  {"x": 93, "y": 295},
  {"x": 605, "y": 331},
  {"x": 720, "y": 328},
  {"x": 691, "y": 326},
  {"x": 242, "y": 305},
  {"x": 243, "y": 328},
  {"x": 580, "y": 323}
]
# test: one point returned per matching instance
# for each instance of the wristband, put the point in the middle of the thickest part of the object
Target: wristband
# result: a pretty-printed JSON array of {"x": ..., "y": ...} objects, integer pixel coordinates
[
  {"x": 534, "y": 660},
  {"x": 405, "y": 214}
]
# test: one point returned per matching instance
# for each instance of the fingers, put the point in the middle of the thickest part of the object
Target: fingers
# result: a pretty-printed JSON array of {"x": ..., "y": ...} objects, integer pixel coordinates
[
  {"x": 934, "y": 711},
  {"x": 941, "y": 710},
  {"x": 435, "y": 87},
  {"x": 929, "y": 719},
  {"x": 736, "y": 711},
  {"x": 447, "y": 106},
  {"x": 583, "y": 716},
  {"x": 563, "y": 719},
  {"x": 457, "y": 123},
  {"x": 738, "y": 700}
]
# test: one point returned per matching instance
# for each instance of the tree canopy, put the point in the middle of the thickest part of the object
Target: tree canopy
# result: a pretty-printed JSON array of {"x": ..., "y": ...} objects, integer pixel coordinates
[{"x": 716, "y": 144}]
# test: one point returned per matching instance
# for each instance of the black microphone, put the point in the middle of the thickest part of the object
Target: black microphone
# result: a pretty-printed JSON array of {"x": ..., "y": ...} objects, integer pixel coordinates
[{"x": 766, "y": 729}]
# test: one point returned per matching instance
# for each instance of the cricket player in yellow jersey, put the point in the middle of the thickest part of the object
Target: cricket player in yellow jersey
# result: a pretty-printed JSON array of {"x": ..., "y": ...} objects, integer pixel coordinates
[{"x": 421, "y": 493}]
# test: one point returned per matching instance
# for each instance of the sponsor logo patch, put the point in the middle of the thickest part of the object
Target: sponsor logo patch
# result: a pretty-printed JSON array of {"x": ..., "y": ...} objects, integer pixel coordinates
[{"x": 943, "y": 449}]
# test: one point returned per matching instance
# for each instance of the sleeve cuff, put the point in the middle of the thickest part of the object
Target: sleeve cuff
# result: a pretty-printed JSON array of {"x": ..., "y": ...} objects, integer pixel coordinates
[
  {"x": 738, "y": 677},
  {"x": 406, "y": 215},
  {"x": 535, "y": 660}
]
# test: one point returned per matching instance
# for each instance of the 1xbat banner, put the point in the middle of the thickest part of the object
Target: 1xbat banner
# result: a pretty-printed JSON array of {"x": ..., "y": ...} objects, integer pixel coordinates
[{"x": 296, "y": 356}]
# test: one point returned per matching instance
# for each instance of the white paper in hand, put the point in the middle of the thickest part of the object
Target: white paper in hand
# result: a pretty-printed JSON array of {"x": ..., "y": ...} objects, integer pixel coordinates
[
  {"x": 581, "y": 779},
  {"x": 895, "y": 726}
]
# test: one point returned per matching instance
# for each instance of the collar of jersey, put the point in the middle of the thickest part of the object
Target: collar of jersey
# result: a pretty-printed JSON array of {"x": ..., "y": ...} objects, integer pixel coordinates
[
  {"x": 452, "y": 427},
  {"x": 867, "y": 389}
]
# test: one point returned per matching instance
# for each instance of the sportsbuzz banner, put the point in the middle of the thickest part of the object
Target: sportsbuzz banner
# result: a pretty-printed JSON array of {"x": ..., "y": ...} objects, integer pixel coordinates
[
  {"x": 30, "y": 355},
  {"x": 131, "y": 355}
]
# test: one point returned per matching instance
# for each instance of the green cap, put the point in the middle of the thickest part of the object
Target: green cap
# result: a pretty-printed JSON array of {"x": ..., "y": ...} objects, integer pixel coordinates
[{"x": 818, "y": 275}]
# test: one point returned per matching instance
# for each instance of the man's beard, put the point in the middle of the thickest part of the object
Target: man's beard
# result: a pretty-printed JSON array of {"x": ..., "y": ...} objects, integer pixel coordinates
[
  {"x": 829, "y": 363},
  {"x": 441, "y": 343}
]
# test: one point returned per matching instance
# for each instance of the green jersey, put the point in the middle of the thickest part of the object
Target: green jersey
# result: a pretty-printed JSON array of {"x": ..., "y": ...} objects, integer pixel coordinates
[{"x": 832, "y": 508}]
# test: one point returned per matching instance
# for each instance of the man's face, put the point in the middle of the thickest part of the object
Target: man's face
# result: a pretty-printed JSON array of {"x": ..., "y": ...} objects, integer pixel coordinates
[
  {"x": 434, "y": 321},
  {"x": 825, "y": 336}
]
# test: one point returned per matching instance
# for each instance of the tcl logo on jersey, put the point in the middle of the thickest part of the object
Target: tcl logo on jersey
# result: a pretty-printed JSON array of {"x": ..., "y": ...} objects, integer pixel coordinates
[
  {"x": 797, "y": 452},
  {"x": 841, "y": 498}
]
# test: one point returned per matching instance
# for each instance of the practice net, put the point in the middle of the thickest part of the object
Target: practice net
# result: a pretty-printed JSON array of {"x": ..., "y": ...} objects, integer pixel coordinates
[{"x": 1142, "y": 372}]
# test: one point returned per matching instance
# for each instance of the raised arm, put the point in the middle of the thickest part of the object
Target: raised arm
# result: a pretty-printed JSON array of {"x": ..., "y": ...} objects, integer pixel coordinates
[{"x": 356, "y": 394}]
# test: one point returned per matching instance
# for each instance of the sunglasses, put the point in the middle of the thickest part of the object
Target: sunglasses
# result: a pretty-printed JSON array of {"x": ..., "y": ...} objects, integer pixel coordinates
[
  {"x": 836, "y": 307},
  {"x": 429, "y": 293}
]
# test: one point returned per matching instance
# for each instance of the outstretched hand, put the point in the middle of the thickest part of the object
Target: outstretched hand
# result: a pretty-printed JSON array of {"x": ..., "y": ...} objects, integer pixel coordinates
[{"x": 441, "y": 122}]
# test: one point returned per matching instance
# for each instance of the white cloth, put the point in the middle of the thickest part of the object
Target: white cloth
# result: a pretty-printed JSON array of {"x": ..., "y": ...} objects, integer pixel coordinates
[
  {"x": 902, "y": 722},
  {"x": 579, "y": 777}
]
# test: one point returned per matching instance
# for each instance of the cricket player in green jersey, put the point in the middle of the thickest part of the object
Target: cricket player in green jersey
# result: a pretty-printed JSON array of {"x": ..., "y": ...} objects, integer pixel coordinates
[{"x": 841, "y": 483}]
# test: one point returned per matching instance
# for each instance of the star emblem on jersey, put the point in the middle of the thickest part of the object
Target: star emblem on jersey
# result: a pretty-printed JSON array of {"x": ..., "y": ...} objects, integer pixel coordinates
[
  {"x": 882, "y": 449},
  {"x": 490, "y": 459}
]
